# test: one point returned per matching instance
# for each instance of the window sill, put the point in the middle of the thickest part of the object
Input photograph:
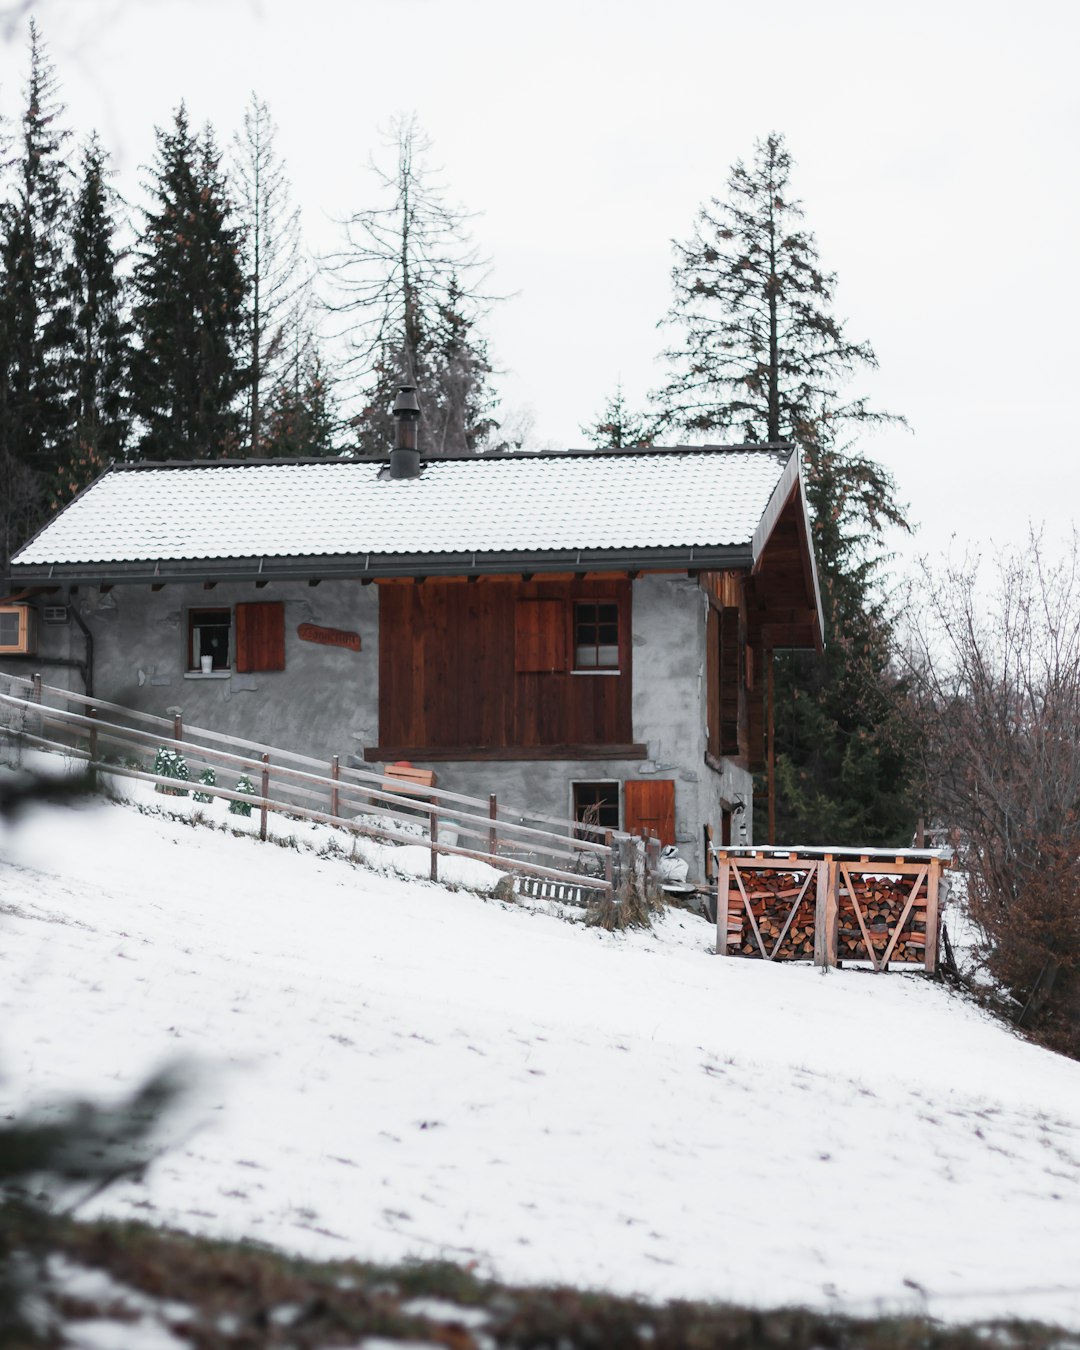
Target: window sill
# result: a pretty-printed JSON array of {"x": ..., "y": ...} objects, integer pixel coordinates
[
  {"x": 596, "y": 672},
  {"x": 213, "y": 675}
]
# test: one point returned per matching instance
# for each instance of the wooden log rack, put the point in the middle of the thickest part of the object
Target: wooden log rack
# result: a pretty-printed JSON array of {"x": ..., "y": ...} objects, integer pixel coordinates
[{"x": 876, "y": 906}]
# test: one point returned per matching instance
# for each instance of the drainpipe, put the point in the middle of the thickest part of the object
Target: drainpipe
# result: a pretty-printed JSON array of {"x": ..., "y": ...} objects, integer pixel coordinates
[{"x": 87, "y": 666}]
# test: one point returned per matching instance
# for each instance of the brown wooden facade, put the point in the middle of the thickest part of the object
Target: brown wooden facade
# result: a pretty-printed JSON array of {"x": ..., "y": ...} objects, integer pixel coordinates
[{"x": 480, "y": 669}]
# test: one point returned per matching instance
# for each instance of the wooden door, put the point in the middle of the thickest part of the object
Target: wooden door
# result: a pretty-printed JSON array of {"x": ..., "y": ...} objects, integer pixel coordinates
[{"x": 650, "y": 806}]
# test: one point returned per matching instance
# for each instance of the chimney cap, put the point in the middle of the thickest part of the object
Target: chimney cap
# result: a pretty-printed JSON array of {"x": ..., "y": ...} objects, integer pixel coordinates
[{"x": 406, "y": 404}]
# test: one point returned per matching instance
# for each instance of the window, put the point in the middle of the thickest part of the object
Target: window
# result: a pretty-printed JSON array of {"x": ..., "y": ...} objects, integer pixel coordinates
[
  {"x": 253, "y": 637},
  {"x": 17, "y": 630},
  {"x": 209, "y": 635},
  {"x": 597, "y": 804},
  {"x": 596, "y": 635}
]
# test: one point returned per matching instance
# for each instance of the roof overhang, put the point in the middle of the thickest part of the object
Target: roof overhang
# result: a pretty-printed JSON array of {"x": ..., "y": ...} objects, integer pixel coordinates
[
  {"x": 376, "y": 566},
  {"x": 788, "y": 501}
]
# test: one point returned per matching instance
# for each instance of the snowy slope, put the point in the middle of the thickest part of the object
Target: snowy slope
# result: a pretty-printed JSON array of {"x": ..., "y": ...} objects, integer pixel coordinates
[{"x": 404, "y": 1070}]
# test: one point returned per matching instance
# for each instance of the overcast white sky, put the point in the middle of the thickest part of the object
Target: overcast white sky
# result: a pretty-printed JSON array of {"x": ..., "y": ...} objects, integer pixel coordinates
[{"x": 936, "y": 148}]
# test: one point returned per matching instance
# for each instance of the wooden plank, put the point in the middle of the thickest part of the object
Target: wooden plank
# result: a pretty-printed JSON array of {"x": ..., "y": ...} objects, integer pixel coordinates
[
  {"x": 903, "y": 919},
  {"x": 859, "y": 915},
  {"x": 933, "y": 917},
  {"x": 723, "y": 873},
  {"x": 492, "y": 753}
]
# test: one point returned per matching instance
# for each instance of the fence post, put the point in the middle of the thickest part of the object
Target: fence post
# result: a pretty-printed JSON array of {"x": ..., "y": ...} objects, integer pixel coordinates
[
  {"x": 35, "y": 693},
  {"x": 933, "y": 917},
  {"x": 335, "y": 795},
  {"x": 826, "y": 914},
  {"x": 177, "y": 727},
  {"x": 265, "y": 795},
  {"x": 493, "y": 833},
  {"x": 92, "y": 773},
  {"x": 433, "y": 832},
  {"x": 609, "y": 861},
  {"x": 723, "y": 878}
]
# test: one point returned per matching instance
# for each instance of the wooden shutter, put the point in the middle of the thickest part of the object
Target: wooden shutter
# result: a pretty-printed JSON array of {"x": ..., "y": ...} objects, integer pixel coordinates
[
  {"x": 260, "y": 636},
  {"x": 539, "y": 636},
  {"x": 650, "y": 806},
  {"x": 729, "y": 671}
]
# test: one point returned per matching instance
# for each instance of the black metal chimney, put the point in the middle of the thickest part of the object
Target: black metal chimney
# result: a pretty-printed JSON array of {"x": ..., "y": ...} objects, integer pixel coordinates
[{"x": 405, "y": 457}]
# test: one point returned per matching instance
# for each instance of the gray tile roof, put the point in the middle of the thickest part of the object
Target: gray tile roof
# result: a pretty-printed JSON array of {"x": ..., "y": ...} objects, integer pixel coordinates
[{"x": 518, "y": 505}]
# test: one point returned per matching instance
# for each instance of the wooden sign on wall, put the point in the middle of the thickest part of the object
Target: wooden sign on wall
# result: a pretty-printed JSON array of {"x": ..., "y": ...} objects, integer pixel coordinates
[{"x": 329, "y": 637}]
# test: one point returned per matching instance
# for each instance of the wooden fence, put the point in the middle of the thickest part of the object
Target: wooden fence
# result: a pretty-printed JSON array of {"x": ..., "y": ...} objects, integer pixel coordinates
[
  {"x": 830, "y": 906},
  {"x": 110, "y": 738}
]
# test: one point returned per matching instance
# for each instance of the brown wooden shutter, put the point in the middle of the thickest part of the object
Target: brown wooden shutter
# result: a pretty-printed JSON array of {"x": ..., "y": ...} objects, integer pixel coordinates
[
  {"x": 650, "y": 806},
  {"x": 729, "y": 672},
  {"x": 539, "y": 636},
  {"x": 260, "y": 636}
]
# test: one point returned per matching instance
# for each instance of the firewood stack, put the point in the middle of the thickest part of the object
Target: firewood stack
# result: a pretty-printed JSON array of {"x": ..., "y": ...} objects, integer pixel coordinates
[
  {"x": 882, "y": 901},
  {"x": 771, "y": 894}
]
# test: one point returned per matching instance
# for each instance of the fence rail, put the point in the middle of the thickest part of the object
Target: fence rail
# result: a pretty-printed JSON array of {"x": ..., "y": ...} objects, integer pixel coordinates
[{"x": 362, "y": 802}]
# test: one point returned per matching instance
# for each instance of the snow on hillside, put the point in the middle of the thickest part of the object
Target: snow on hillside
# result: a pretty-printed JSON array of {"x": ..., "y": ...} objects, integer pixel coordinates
[{"x": 392, "y": 1069}]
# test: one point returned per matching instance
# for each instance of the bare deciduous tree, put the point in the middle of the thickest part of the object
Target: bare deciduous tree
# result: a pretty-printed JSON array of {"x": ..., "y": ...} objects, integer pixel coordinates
[
  {"x": 996, "y": 674},
  {"x": 409, "y": 293},
  {"x": 279, "y": 285}
]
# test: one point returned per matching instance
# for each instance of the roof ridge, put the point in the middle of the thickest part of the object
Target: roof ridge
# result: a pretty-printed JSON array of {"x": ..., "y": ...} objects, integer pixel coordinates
[{"x": 512, "y": 457}]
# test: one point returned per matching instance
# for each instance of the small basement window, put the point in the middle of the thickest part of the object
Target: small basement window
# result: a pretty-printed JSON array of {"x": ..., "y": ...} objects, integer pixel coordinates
[
  {"x": 596, "y": 635},
  {"x": 597, "y": 803},
  {"x": 209, "y": 634}
]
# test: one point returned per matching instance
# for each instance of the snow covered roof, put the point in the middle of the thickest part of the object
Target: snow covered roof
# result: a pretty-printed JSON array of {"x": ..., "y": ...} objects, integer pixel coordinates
[{"x": 688, "y": 505}]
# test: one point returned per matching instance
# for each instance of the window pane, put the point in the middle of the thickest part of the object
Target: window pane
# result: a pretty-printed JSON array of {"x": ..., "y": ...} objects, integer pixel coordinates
[
  {"x": 608, "y": 613},
  {"x": 210, "y": 637},
  {"x": 609, "y": 635},
  {"x": 585, "y": 657},
  {"x": 607, "y": 658},
  {"x": 9, "y": 630}
]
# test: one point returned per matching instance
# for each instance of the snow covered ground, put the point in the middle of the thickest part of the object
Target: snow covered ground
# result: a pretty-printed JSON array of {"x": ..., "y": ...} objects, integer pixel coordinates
[{"x": 393, "y": 1069}]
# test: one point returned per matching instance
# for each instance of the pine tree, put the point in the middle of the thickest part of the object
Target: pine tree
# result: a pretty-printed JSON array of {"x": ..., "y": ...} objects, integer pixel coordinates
[
  {"x": 34, "y": 313},
  {"x": 409, "y": 286},
  {"x": 301, "y": 417},
  {"x": 618, "y": 427},
  {"x": 189, "y": 315},
  {"x": 277, "y": 285},
  {"x": 459, "y": 416},
  {"x": 762, "y": 356},
  {"x": 761, "y": 353},
  {"x": 99, "y": 356}
]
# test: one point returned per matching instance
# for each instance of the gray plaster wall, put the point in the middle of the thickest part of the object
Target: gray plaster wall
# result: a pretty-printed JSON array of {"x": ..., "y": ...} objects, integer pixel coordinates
[{"x": 326, "y": 700}]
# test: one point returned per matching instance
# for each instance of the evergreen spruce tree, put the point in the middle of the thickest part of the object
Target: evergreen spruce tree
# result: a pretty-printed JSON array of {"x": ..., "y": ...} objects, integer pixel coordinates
[
  {"x": 189, "y": 316},
  {"x": 301, "y": 418},
  {"x": 618, "y": 427},
  {"x": 409, "y": 292},
  {"x": 762, "y": 356},
  {"x": 99, "y": 355},
  {"x": 34, "y": 312},
  {"x": 277, "y": 284},
  {"x": 459, "y": 419}
]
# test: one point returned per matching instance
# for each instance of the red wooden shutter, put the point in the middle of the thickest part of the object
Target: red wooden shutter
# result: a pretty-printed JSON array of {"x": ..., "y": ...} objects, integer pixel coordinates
[
  {"x": 260, "y": 636},
  {"x": 539, "y": 636},
  {"x": 650, "y": 806}
]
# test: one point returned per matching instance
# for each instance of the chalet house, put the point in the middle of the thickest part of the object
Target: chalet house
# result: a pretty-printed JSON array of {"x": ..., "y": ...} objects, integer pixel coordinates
[{"x": 572, "y": 630}]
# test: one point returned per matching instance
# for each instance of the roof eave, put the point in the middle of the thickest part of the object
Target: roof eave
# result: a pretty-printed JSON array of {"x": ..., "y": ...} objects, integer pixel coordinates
[
  {"x": 792, "y": 482},
  {"x": 376, "y": 566}
]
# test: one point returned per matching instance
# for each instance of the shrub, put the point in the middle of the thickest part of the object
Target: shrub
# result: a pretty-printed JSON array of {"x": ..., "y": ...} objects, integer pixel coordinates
[
  {"x": 246, "y": 786},
  {"x": 208, "y": 779},
  {"x": 171, "y": 764}
]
